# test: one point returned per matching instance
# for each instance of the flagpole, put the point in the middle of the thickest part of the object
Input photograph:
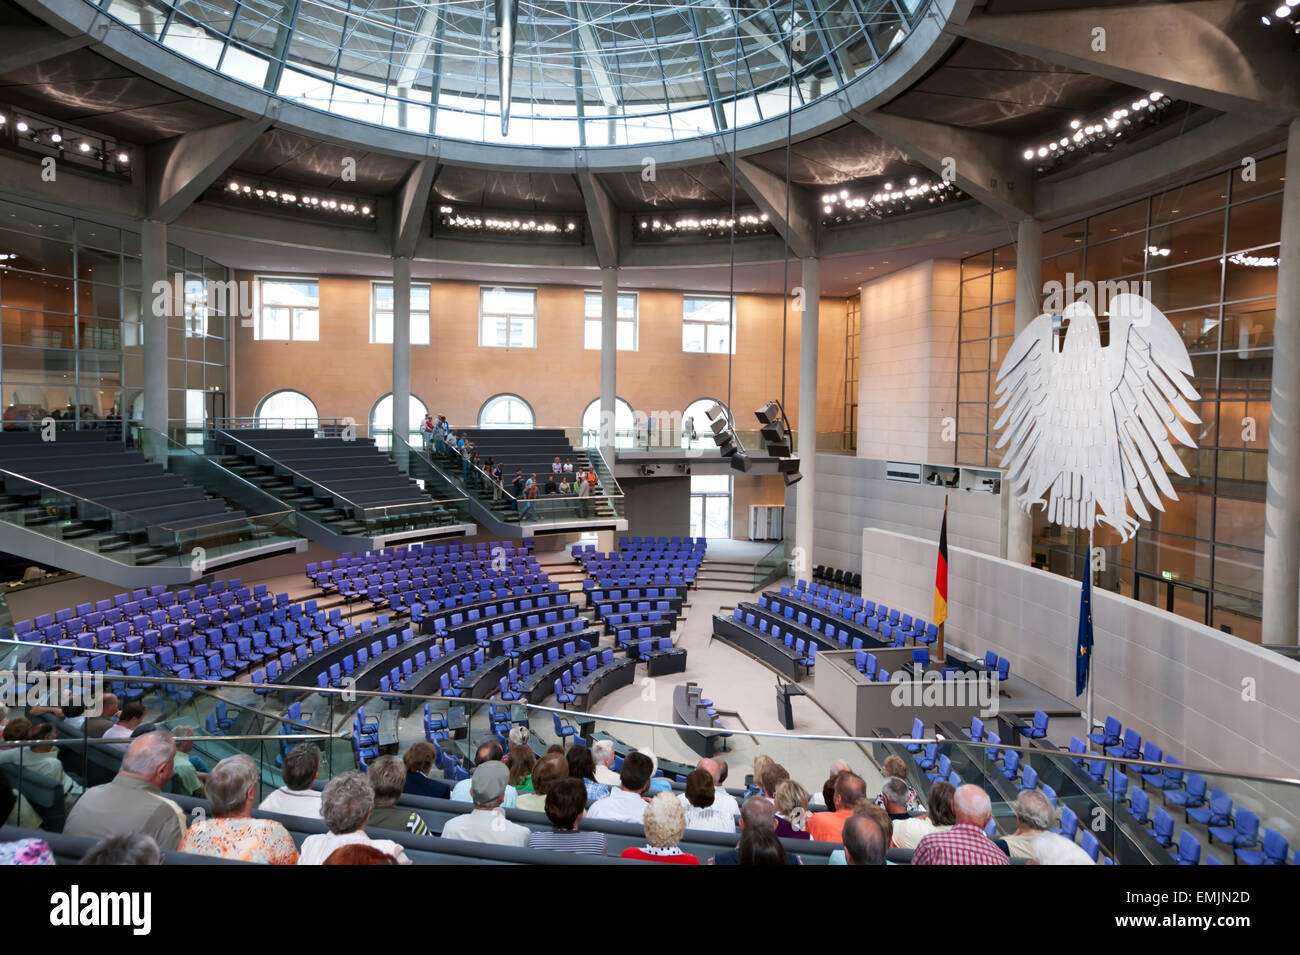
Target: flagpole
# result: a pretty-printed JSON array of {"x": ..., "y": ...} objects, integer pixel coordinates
[
  {"x": 1092, "y": 650},
  {"x": 938, "y": 647}
]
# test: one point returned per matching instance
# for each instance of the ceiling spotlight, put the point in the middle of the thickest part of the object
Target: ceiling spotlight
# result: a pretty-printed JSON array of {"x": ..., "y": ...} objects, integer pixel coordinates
[
  {"x": 22, "y": 127},
  {"x": 84, "y": 147},
  {"x": 56, "y": 138},
  {"x": 1029, "y": 154},
  {"x": 123, "y": 157},
  {"x": 1282, "y": 12}
]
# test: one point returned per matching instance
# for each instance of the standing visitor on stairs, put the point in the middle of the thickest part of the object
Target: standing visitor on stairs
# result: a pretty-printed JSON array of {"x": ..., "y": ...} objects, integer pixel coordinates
[
  {"x": 584, "y": 492},
  {"x": 427, "y": 431},
  {"x": 529, "y": 503}
]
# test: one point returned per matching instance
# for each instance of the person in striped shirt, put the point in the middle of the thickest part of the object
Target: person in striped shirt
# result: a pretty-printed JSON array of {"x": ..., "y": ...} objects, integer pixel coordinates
[{"x": 566, "y": 804}]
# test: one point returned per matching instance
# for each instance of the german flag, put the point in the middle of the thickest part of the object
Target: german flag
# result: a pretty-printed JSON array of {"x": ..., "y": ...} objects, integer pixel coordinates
[{"x": 941, "y": 571}]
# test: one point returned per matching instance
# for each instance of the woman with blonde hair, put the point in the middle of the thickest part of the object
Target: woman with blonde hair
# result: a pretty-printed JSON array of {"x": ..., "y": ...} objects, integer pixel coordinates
[
  {"x": 761, "y": 765},
  {"x": 791, "y": 810},
  {"x": 665, "y": 824}
]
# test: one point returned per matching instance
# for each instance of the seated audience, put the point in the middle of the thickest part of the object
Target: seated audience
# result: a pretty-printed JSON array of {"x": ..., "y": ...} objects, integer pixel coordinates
[
  {"x": 487, "y": 822},
  {"x": 757, "y": 814},
  {"x": 883, "y": 823},
  {"x": 894, "y": 767},
  {"x": 564, "y": 487},
  {"x": 419, "y": 760},
  {"x": 849, "y": 791},
  {"x": 358, "y": 854},
  {"x": 20, "y": 851},
  {"x": 658, "y": 784},
  {"x": 387, "y": 775},
  {"x": 761, "y": 847},
  {"x": 864, "y": 843},
  {"x": 231, "y": 832},
  {"x": 186, "y": 773},
  {"x": 97, "y": 726},
  {"x": 556, "y": 466},
  {"x": 345, "y": 807},
  {"x": 550, "y": 487},
  {"x": 825, "y": 799},
  {"x": 625, "y": 804},
  {"x": 134, "y": 800},
  {"x": 582, "y": 766},
  {"x": 132, "y": 716},
  {"x": 297, "y": 797},
  {"x": 791, "y": 803},
  {"x": 1050, "y": 849},
  {"x": 909, "y": 831},
  {"x": 40, "y": 759},
  {"x": 520, "y": 761},
  {"x": 699, "y": 802},
  {"x": 1034, "y": 815},
  {"x": 965, "y": 843},
  {"x": 488, "y": 751},
  {"x": 893, "y": 798},
  {"x": 723, "y": 801},
  {"x": 665, "y": 824},
  {"x": 549, "y": 769},
  {"x": 773, "y": 774},
  {"x": 130, "y": 849},
  {"x": 755, "y": 787},
  {"x": 566, "y": 800}
]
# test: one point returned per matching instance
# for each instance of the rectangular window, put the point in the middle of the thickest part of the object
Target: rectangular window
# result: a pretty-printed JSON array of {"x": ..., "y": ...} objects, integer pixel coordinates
[
  {"x": 507, "y": 318},
  {"x": 707, "y": 323},
  {"x": 627, "y": 322},
  {"x": 288, "y": 310},
  {"x": 381, "y": 314}
]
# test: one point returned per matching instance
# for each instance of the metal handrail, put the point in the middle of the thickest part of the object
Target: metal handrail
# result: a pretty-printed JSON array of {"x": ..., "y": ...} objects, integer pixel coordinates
[
  {"x": 654, "y": 724},
  {"x": 285, "y": 509}
]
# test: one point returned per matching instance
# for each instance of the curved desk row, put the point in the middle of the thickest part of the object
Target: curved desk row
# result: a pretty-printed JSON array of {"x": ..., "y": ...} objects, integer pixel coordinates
[
  {"x": 304, "y": 674},
  {"x": 778, "y": 656},
  {"x": 604, "y": 680},
  {"x": 688, "y": 712}
]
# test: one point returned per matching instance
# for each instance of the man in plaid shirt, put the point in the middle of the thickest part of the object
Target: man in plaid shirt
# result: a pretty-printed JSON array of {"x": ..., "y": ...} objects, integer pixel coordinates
[{"x": 965, "y": 843}]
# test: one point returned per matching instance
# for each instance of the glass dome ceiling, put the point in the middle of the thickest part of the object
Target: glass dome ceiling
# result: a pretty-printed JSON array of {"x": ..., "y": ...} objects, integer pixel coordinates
[{"x": 582, "y": 73}]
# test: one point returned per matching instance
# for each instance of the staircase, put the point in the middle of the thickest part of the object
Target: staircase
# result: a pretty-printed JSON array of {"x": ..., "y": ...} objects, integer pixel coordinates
[{"x": 348, "y": 493}]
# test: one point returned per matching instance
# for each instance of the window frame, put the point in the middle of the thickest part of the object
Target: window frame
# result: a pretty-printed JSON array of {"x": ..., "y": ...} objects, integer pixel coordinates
[
  {"x": 732, "y": 324},
  {"x": 259, "y": 325},
  {"x": 483, "y": 291},
  {"x": 634, "y": 321},
  {"x": 375, "y": 285}
]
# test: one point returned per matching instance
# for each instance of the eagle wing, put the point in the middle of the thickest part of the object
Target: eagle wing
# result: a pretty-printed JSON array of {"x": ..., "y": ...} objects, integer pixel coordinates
[{"x": 1024, "y": 386}]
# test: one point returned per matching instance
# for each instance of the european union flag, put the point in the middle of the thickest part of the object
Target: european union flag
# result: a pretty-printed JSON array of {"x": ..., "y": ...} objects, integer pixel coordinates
[{"x": 1083, "y": 657}]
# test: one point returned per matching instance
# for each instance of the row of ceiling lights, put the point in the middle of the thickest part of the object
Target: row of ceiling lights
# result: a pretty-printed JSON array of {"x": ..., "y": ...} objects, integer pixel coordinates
[
  {"x": 1287, "y": 14},
  {"x": 747, "y": 223},
  {"x": 533, "y": 225},
  {"x": 97, "y": 150},
  {"x": 284, "y": 197},
  {"x": 1101, "y": 133},
  {"x": 845, "y": 206}
]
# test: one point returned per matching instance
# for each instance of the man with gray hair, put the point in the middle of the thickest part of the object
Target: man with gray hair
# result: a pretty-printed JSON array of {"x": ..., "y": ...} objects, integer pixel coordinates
[
  {"x": 1035, "y": 815},
  {"x": 864, "y": 843},
  {"x": 965, "y": 843},
  {"x": 133, "y": 802},
  {"x": 893, "y": 792},
  {"x": 1048, "y": 848},
  {"x": 297, "y": 797},
  {"x": 130, "y": 849},
  {"x": 345, "y": 806},
  {"x": 602, "y": 751},
  {"x": 817, "y": 801}
]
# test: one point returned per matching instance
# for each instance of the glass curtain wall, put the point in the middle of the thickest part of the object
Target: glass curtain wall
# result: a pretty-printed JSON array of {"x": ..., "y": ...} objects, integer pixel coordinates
[
  {"x": 1208, "y": 253},
  {"x": 71, "y": 307}
]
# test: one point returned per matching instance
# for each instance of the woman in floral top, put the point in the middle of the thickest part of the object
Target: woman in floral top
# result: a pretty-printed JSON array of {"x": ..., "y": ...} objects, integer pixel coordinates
[
  {"x": 22, "y": 851},
  {"x": 233, "y": 834}
]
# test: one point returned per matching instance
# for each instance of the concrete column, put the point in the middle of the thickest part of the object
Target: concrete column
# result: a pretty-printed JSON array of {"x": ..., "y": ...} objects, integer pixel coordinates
[
  {"x": 402, "y": 347},
  {"x": 608, "y": 360},
  {"x": 1019, "y": 530},
  {"x": 1282, "y": 500},
  {"x": 160, "y": 293},
  {"x": 805, "y": 504}
]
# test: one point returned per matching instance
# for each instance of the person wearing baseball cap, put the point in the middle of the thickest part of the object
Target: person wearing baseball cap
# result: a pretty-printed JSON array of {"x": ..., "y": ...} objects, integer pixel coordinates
[{"x": 487, "y": 821}]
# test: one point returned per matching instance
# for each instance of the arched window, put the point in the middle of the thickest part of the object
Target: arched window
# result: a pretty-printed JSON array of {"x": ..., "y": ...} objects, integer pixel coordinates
[
  {"x": 624, "y": 425},
  {"x": 286, "y": 409},
  {"x": 381, "y": 421},
  {"x": 506, "y": 411},
  {"x": 696, "y": 432}
]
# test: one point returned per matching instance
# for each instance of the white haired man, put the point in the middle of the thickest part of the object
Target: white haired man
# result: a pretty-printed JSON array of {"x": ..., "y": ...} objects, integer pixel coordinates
[
  {"x": 134, "y": 801},
  {"x": 602, "y": 751},
  {"x": 965, "y": 843}
]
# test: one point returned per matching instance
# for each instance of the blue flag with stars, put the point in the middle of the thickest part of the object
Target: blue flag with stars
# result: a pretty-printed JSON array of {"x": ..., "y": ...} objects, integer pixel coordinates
[{"x": 1083, "y": 656}]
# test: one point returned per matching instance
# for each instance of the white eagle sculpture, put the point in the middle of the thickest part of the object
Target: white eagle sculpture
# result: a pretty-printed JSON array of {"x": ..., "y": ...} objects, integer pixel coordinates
[{"x": 1089, "y": 428}]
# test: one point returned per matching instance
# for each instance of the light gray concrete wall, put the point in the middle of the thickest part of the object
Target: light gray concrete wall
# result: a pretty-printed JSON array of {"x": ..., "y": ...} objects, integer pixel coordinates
[
  {"x": 1178, "y": 682},
  {"x": 657, "y": 506},
  {"x": 853, "y": 494}
]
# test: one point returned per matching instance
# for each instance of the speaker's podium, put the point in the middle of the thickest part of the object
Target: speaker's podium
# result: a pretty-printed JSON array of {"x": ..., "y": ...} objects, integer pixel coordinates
[{"x": 784, "y": 712}]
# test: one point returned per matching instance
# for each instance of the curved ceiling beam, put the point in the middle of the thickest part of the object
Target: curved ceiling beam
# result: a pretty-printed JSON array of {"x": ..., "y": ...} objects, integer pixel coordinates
[{"x": 1211, "y": 52}]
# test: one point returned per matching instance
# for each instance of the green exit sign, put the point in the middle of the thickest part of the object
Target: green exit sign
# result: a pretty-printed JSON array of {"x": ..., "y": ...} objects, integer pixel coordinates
[{"x": 1167, "y": 574}]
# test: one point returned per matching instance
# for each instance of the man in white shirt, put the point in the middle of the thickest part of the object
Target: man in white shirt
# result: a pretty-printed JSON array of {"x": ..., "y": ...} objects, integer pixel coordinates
[
  {"x": 488, "y": 751},
  {"x": 487, "y": 821},
  {"x": 296, "y": 797},
  {"x": 625, "y": 804},
  {"x": 132, "y": 716},
  {"x": 603, "y": 753},
  {"x": 723, "y": 801},
  {"x": 345, "y": 807}
]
